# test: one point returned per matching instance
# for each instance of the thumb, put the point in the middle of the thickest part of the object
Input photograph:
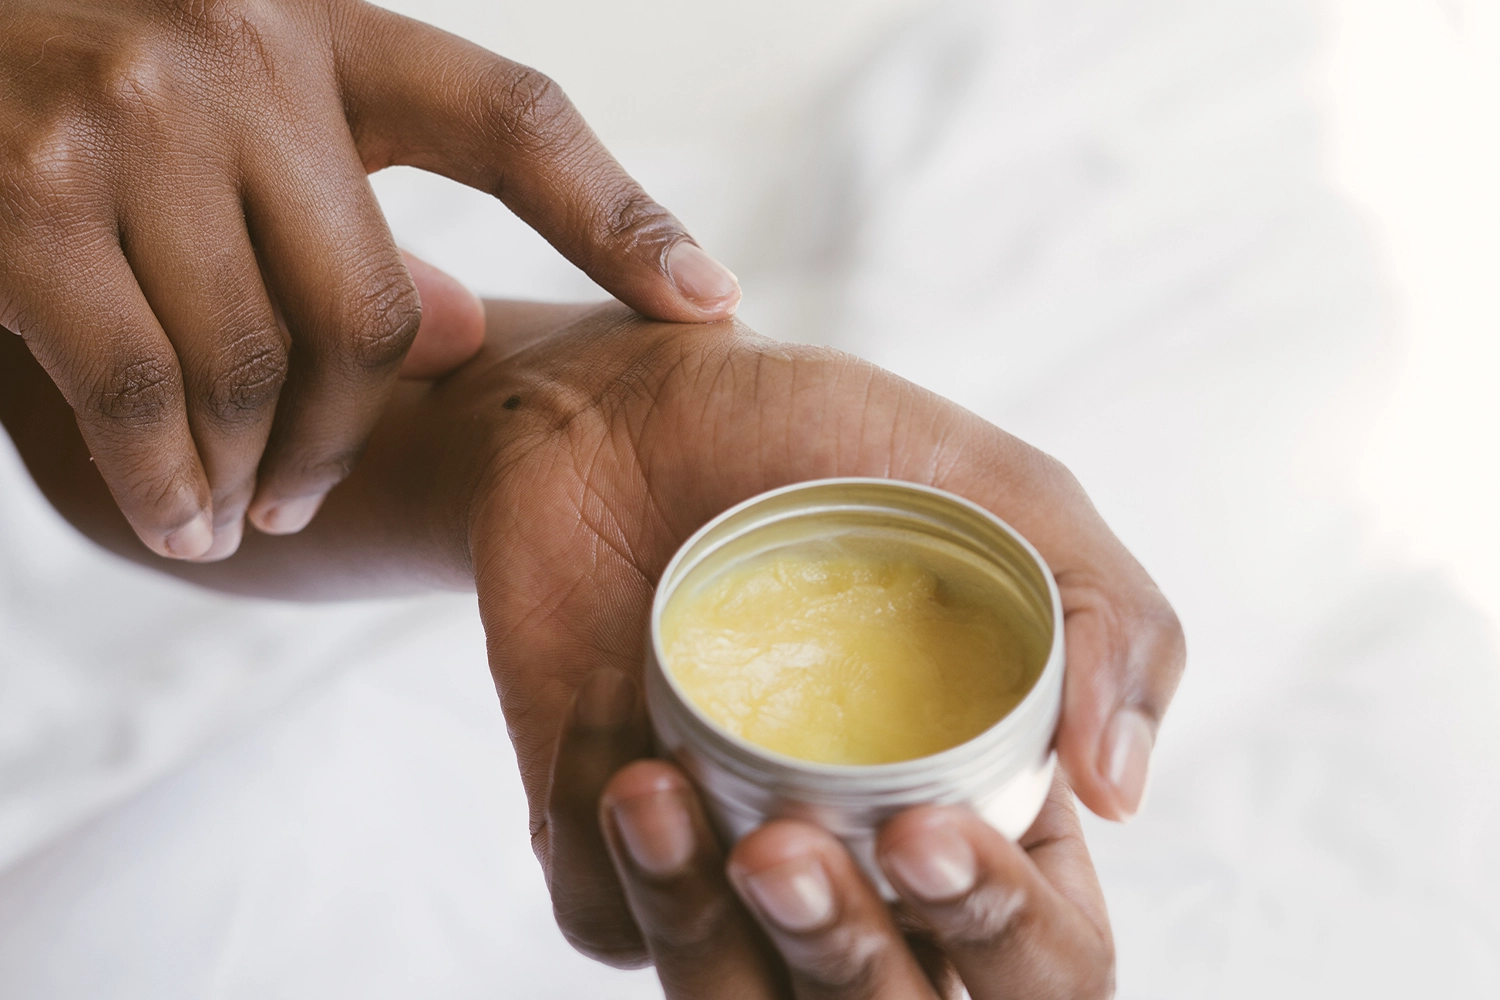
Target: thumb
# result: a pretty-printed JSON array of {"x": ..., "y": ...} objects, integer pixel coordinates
[
  {"x": 420, "y": 97},
  {"x": 452, "y": 329}
]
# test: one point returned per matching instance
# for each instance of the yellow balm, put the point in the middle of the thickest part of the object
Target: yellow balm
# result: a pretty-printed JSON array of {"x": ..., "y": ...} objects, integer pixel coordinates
[{"x": 853, "y": 651}]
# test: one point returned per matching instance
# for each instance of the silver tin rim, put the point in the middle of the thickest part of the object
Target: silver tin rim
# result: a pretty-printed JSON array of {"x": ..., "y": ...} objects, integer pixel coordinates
[{"x": 835, "y": 783}]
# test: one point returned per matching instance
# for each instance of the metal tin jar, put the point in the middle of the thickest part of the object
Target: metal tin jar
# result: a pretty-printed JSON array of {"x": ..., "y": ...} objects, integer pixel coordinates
[{"x": 1004, "y": 772}]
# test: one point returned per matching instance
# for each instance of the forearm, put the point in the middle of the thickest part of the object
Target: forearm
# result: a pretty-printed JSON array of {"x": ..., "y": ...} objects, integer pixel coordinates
[{"x": 398, "y": 524}]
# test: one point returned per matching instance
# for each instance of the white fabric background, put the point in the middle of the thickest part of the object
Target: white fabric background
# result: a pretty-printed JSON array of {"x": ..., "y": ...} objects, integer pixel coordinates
[{"x": 1109, "y": 226}]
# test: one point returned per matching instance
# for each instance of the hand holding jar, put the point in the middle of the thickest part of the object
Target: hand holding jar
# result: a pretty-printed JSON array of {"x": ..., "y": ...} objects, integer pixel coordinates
[
  {"x": 559, "y": 470},
  {"x": 629, "y": 437},
  {"x": 790, "y": 913}
]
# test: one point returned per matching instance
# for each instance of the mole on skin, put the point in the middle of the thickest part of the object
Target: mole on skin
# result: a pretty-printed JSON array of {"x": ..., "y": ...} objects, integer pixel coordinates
[{"x": 848, "y": 653}]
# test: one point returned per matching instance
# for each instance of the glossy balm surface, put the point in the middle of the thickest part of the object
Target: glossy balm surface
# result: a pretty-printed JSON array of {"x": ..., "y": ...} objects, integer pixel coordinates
[{"x": 851, "y": 652}]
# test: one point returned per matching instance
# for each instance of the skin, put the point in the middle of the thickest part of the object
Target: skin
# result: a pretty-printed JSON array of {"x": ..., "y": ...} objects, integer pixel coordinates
[
  {"x": 557, "y": 472},
  {"x": 194, "y": 254},
  {"x": 1032, "y": 924}
]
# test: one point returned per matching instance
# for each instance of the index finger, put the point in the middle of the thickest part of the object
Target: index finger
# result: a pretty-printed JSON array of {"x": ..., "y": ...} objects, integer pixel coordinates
[{"x": 418, "y": 96}]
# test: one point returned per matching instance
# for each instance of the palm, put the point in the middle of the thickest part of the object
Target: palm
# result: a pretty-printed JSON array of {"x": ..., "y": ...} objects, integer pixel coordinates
[{"x": 630, "y": 435}]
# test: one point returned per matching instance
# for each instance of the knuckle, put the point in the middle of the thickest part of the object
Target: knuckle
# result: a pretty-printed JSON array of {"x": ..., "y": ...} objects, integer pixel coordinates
[
  {"x": 526, "y": 108},
  {"x": 83, "y": 59},
  {"x": 1170, "y": 635},
  {"x": 1047, "y": 469},
  {"x": 250, "y": 381},
  {"x": 1102, "y": 985},
  {"x": 172, "y": 493},
  {"x": 131, "y": 78},
  {"x": 986, "y": 918},
  {"x": 1090, "y": 977},
  {"x": 230, "y": 31},
  {"x": 136, "y": 394},
  {"x": 43, "y": 165},
  {"x": 386, "y": 323},
  {"x": 846, "y": 961},
  {"x": 1159, "y": 654},
  {"x": 596, "y": 931},
  {"x": 310, "y": 470},
  {"x": 633, "y": 219},
  {"x": 691, "y": 938},
  {"x": 154, "y": 496}
]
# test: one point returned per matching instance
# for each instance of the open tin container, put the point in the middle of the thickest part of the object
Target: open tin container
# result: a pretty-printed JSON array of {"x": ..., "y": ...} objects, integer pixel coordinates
[{"x": 1004, "y": 772}]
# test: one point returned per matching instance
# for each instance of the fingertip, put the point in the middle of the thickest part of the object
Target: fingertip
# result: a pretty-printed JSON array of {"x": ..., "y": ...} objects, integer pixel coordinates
[
  {"x": 1097, "y": 679},
  {"x": 1126, "y": 655},
  {"x": 227, "y": 539},
  {"x": 452, "y": 327},
  {"x": 1082, "y": 769},
  {"x": 913, "y": 821},
  {"x": 1125, "y": 760},
  {"x": 913, "y": 825},
  {"x": 827, "y": 921},
  {"x": 190, "y": 541},
  {"x": 658, "y": 832},
  {"x": 926, "y": 854},
  {"x": 285, "y": 517},
  {"x": 1109, "y": 769},
  {"x": 781, "y": 870},
  {"x": 643, "y": 777},
  {"x": 776, "y": 843},
  {"x": 710, "y": 288}
]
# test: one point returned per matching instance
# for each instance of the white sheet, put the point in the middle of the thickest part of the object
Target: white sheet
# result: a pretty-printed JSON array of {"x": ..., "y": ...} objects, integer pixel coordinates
[{"x": 1104, "y": 225}]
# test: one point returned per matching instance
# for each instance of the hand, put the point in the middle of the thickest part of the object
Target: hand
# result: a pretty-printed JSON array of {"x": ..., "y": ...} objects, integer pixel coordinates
[
  {"x": 192, "y": 251},
  {"x": 616, "y": 439},
  {"x": 792, "y": 915},
  {"x": 452, "y": 328},
  {"x": 561, "y": 468}
]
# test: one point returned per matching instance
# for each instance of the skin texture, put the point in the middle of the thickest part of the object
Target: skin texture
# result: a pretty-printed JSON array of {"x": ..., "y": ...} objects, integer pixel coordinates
[
  {"x": 1031, "y": 925},
  {"x": 557, "y": 472},
  {"x": 194, "y": 254}
]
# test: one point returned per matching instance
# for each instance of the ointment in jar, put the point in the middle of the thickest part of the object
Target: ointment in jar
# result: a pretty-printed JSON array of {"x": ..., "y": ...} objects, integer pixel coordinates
[{"x": 844, "y": 649}]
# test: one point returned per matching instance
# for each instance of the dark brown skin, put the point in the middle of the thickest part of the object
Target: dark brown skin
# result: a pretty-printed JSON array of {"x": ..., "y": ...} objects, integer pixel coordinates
[
  {"x": 557, "y": 472},
  {"x": 193, "y": 252},
  {"x": 1030, "y": 925}
]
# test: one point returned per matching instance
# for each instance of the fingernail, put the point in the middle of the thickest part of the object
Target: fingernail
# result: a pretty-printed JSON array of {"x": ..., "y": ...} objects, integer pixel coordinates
[
  {"x": 657, "y": 831},
  {"x": 701, "y": 279},
  {"x": 795, "y": 894},
  {"x": 192, "y": 539},
  {"x": 227, "y": 538},
  {"x": 289, "y": 516},
  {"x": 1127, "y": 758},
  {"x": 935, "y": 864},
  {"x": 605, "y": 699}
]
